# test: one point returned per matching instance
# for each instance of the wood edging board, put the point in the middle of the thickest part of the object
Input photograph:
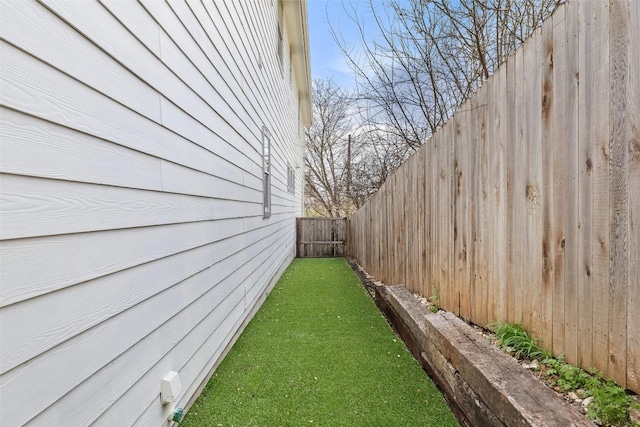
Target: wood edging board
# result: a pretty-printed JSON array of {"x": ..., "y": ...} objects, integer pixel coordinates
[{"x": 483, "y": 385}]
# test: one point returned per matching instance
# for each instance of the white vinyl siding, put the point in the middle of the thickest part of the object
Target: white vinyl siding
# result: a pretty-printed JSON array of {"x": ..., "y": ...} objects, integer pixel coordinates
[{"x": 133, "y": 239}]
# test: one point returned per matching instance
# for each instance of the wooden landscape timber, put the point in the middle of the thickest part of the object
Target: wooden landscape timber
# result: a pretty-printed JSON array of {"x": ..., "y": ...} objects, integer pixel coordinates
[{"x": 525, "y": 205}]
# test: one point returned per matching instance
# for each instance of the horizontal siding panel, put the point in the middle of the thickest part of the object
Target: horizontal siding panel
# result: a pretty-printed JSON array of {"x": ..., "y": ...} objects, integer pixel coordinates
[
  {"x": 34, "y": 147},
  {"x": 178, "y": 179},
  {"x": 91, "y": 255},
  {"x": 48, "y": 38},
  {"x": 40, "y": 207},
  {"x": 225, "y": 44}
]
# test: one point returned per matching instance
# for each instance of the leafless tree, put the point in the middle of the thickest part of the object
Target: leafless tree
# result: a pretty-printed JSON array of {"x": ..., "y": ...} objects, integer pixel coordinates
[
  {"x": 346, "y": 162},
  {"x": 329, "y": 152},
  {"x": 431, "y": 56},
  {"x": 380, "y": 156}
]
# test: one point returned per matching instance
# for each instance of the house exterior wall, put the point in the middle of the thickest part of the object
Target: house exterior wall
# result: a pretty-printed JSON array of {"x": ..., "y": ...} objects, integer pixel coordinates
[{"x": 133, "y": 238}]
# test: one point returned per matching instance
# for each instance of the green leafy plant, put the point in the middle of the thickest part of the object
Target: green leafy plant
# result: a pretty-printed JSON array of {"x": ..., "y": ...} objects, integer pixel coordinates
[
  {"x": 572, "y": 377},
  {"x": 514, "y": 338},
  {"x": 611, "y": 404},
  {"x": 434, "y": 299}
]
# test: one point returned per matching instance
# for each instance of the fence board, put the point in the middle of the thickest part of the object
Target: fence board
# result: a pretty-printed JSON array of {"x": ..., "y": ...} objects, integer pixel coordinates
[
  {"x": 558, "y": 144},
  {"x": 525, "y": 206},
  {"x": 633, "y": 107},
  {"x": 585, "y": 165},
  {"x": 600, "y": 216},
  {"x": 500, "y": 186},
  {"x": 618, "y": 185},
  {"x": 547, "y": 141},
  {"x": 571, "y": 185}
]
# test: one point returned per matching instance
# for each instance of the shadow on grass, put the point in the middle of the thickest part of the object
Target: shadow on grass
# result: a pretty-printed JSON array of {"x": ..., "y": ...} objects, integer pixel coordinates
[{"x": 319, "y": 353}]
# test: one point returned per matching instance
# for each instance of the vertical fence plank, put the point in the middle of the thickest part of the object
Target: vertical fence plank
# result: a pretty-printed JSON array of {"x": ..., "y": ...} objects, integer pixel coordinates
[
  {"x": 460, "y": 134},
  {"x": 481, "y": 256},
  {"x": 491, "y": 284},
  {"x": 534, "y": 196},
  {"x": 619, "y": 179},
  {"x": 472, "y": 206},
  {"x": 428, "y": 214},
  {"x": 558, "y": 240},
  {"x": 445, "y": 179},
  {"x": 572, "y": 186},
  {"x": 446, "y": 289},
  {"x": 548, "y": 242},
  {"x": 509, "y": 144},
  {"x": 448, "y": 189},
  {"x": 500, "y": 195},
  {"x": 633, "y": 106},
  {"x": 438, "y": 210},
  {"x": 585, "y": 167},
  {"x": 519, "y": 185},
  {"x": 434, "y": 242},
  {"x": 412, "y": 224},
  {"x": 421, "y": 225},
  {"x": 600, "y": 158}
]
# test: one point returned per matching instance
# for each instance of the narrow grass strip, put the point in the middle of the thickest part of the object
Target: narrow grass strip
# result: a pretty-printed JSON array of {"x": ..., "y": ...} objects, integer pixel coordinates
[{"x": 319, "y": 353}]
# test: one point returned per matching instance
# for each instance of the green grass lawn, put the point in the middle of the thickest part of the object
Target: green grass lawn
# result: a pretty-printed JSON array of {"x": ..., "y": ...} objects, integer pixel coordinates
[{"x": 319, "y": 353}]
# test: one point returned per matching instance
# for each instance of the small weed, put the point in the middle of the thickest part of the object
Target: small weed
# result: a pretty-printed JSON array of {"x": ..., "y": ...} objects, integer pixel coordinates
[{"x": 434, "y": 299}]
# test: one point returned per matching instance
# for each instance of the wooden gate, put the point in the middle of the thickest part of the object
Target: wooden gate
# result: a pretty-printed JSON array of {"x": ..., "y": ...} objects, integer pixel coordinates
[{"x": 321, "y": 237}]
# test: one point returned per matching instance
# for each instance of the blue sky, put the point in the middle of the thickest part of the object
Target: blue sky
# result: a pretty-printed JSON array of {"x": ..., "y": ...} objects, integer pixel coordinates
[{"x": 327, "y": 59}]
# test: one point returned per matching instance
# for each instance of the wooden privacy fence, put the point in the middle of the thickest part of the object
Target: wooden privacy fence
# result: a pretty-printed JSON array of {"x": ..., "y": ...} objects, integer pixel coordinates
[
  {"x": 525, "y": 206},
  {"x": 321, "y": 237}
]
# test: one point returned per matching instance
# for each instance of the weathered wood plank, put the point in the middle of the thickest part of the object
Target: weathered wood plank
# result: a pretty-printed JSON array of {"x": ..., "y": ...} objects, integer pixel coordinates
[
  {"x": 619, "y": 133},
  {"x": 600, "y": 199},
  {"x": 572, "y": 187},
  {"x": 519, "y": 187},
  {"x": 482, "y": 254},
  {"x": 490, "y": 201},
  {"x": 500, "y": 195},
  {"x": 421, "y": 234},
  {"x": 558, "y": 223},
  {"x": 547, "y": 140},
  {"x": 585, "y": 166},
  {"x": 633, "y": 108},
  {"x": 511, "y": 225},
  {"x": 534, "y": 186}
]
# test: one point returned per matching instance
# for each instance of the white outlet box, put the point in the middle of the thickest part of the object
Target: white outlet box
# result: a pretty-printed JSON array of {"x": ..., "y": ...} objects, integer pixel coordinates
[{"x": 170, "y": 387}]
